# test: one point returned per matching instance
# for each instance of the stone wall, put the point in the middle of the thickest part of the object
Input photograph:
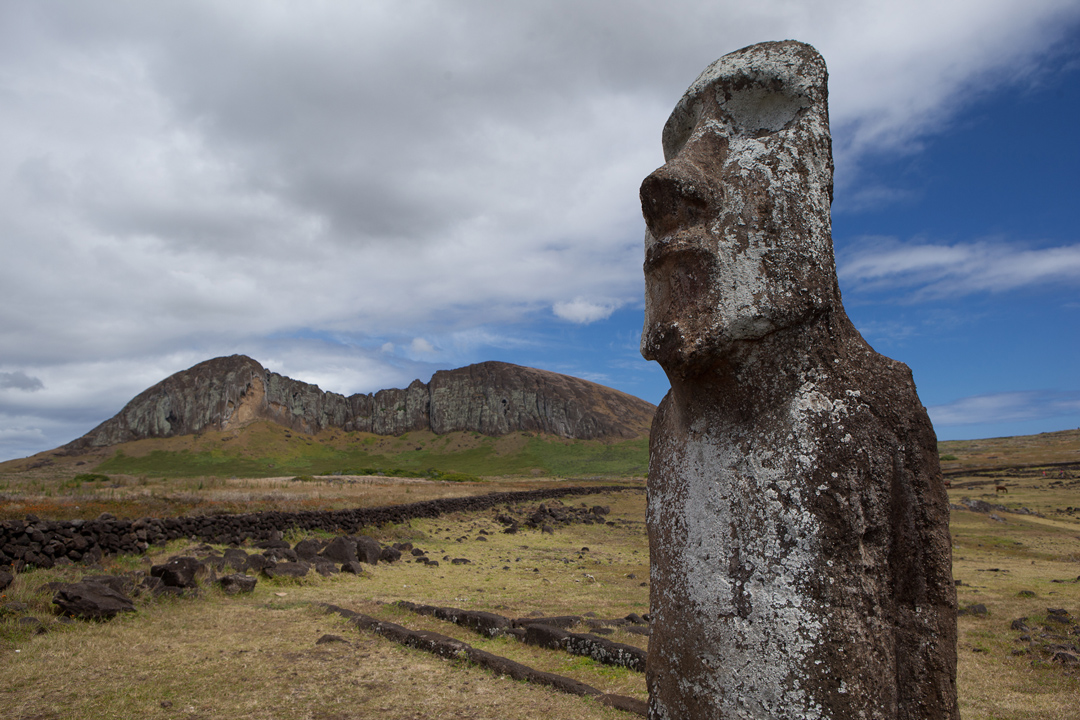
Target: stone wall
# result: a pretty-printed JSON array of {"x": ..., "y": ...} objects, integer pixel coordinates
[{"x": 42, "y": 543}]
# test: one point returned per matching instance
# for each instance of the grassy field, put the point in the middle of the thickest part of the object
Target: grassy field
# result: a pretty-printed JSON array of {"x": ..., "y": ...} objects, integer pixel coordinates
[
  {"x": 266, "y": 467},
  {"x": 264, "y": 448},
  {"x": 256, "y": 656},
  {"x": 1054, "y": 447}
]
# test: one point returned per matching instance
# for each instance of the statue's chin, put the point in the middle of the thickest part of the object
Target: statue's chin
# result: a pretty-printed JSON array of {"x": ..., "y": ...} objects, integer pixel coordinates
[
  {"x": 686, "y": 349},
  {"x": 680, "y": 354}
]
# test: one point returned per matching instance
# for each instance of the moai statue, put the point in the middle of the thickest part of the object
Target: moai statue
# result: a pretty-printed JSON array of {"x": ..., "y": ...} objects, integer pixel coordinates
[{"x": 798, "y": 521}]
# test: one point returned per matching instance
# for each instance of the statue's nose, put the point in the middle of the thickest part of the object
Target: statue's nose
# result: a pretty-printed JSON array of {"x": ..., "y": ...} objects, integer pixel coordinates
[{"x": 673, "y": 197}]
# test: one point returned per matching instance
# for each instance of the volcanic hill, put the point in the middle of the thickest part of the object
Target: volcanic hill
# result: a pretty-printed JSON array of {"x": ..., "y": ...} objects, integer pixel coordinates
[{"x": 492, "y": 398}]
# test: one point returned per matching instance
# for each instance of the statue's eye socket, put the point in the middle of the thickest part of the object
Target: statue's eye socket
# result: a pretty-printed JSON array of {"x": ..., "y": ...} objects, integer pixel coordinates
[
  {"x": 680, "y": 126},
  {"x": 757, "y": 109}
]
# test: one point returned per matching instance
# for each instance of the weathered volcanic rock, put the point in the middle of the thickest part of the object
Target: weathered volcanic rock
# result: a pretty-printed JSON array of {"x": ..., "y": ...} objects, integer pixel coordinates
[
  {"x": 178, "y": 572},
  {"x": 340, "y": 550},
  {"x": 798, "y": 522},
  {"x": 91, "y": 601},
  {"x": 237, "y": 583},
  {"x": 368, "y": 550},
  {"x": 493, "y": 398}
]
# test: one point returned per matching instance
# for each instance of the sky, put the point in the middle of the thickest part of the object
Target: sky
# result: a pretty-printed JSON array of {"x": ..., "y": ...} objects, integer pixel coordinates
[{"x": 359, "y": 194}]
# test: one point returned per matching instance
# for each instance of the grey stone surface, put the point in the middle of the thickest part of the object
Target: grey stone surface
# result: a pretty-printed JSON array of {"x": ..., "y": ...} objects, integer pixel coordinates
[
  {"x": 178, "y": 572},
  {"x": 91, "y": 601},
  {"x": 237, "y": 583},
  {"x": 340, "y": 550},
  {"x": 368, "y": 550},
  {"x": 493, "y": 398},
  {"x": 798, "y": 522}
]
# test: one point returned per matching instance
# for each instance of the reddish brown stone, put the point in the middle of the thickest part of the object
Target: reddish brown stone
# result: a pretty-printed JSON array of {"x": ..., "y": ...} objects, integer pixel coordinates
[{"x": 798, "y": 521}]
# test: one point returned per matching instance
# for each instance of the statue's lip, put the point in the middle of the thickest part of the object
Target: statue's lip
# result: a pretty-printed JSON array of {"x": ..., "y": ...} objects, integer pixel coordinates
[{"x": 685, "y": 244}]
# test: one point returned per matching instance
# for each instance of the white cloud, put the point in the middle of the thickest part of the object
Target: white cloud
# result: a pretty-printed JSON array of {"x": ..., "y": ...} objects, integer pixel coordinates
[
  {"x": 420, "y": 346},
  {"x": 580, "y": 310},
  {"x": 927, "y": 270},
  {"x": 1005, "y": 407}
]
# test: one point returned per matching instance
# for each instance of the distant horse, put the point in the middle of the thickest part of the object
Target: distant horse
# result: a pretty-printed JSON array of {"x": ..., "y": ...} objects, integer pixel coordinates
[{"x": 1001, "y": 488}]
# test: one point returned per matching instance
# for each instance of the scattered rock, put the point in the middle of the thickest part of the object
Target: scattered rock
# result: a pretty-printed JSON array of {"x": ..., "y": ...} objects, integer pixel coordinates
[
  {"x": 14, "y": 608},
  {"x": 119, "y": 583},
  {"x": 1066, "y": 657},
  {"x": 353, "y": 567},
  {"x": 277, "y": 554},
  {"x": 308, "y": 549},
  {"x": 324, "y": 567},
  {"x": 33, "y": 624},
  {"x": 1059, "y": 615},
  {"x": 258, "y": 563},
  {"x": 340, "y": 550},
  {"x": 237, "y": 583},
  {"x": 330, "y": 639},
  {"x": 976, "y": 609},
  {"x": 91, "y": 601},
  {"x": 177, "y": 572},
  {"x": 389, "y": 555},
  {"x": 368, "y": 550},
  {"x": 236, "y": 559}
]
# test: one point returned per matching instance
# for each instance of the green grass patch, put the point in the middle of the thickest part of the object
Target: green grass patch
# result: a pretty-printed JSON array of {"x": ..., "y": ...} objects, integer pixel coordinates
[{"x": 259, "y": 457}]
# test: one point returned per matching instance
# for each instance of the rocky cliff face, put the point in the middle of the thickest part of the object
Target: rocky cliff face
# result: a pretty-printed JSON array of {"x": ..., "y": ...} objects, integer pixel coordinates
[{"x": 492, "y": 398}]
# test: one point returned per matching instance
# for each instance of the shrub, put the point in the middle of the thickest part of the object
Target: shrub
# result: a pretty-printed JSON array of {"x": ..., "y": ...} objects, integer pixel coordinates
[{"x": 90, "y": 477}]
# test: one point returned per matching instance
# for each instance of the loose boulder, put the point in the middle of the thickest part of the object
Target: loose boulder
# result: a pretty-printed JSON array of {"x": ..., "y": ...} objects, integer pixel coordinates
[
  {"x": 368, "y": 550},
  {"x": 235, "y": 558},
  {"x": 178, "y": 572},
  {"x": 797, "y": 517},
  {"x": 307, "y": 549},
  {"x": 340, "y": 550},
  {"x": 237, "y": 583},
  {"x": 91, "y": 601}
]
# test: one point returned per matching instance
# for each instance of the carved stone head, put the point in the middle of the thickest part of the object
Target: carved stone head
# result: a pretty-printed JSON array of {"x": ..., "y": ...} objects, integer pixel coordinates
[{"x": 738, "y": 242}]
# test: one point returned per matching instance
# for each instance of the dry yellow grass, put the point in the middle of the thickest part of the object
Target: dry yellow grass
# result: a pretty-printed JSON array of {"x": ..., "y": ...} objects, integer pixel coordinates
[
  {"x": 1052, "y": 447},
  {"x": 255, "y": 656}
]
